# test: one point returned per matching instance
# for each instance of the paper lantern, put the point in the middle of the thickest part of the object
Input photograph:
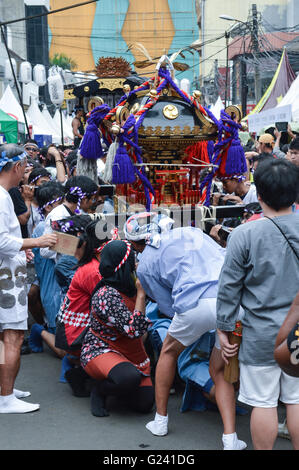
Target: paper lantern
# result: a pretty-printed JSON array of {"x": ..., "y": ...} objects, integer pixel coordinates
[
  {"x": 39, "y": 75},
  {"x": 25, "y": 74},
  {"x": 56, "y": 89},
  {"x": 7, "y": 69}
]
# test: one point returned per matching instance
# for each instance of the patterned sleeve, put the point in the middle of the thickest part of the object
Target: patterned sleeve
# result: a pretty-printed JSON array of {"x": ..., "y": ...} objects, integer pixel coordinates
[{"x": 108, "y": 305}]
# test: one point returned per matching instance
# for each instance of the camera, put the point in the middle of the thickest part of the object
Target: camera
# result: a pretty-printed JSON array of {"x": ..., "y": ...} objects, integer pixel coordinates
[{"x": 224, "y": 233}]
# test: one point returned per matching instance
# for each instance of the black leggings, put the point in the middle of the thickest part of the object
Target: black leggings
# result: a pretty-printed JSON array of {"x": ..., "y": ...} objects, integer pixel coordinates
[{"x": 124, "y": 381}]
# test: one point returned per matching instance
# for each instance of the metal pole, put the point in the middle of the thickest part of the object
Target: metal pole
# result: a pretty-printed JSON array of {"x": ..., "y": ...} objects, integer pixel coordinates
[
  {"x": 15, "y": 78},
  {"x": 244, "y": 81},
  {"x": 226, "y": 71},
  {"x": 255, "y": 50},
  {"x": 61, "y": 127}
]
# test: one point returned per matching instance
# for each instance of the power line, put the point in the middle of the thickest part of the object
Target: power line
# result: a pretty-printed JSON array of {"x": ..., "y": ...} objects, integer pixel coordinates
[{"x": 26, "y": 18}]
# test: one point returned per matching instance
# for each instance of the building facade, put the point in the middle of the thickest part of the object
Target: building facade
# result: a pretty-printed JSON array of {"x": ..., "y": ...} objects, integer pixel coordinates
[
  {"x": 15, "y": 36},
  {"x": 274, "y": 17},
  {"x": 107, "y": 28}
]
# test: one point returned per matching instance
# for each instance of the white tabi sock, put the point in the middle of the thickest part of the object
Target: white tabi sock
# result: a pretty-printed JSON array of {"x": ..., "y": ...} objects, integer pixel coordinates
[
  {"x": 11, "y": 404},
  {"x": 158, "y": 427},
  {"x": 19, "y": 393},
  {"x": 231, "y": 442}
]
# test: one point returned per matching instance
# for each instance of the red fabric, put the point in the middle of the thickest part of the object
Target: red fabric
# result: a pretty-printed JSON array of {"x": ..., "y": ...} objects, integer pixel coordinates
[
  {"x": 254, "y": 217},
  {"x": 83, "y": 283},
  {"x": 74, "y": 315},
  {"x": 199, "y": 151},
  {"x": 131, "y": 349},
  {"x": 99, "y": 367}
]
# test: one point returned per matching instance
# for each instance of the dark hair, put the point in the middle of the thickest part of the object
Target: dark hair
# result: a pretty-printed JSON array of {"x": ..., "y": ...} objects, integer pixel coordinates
[
  {"x": 33, "y": 163},
  {"x": 73, "y": 155},
  {"x": 11, "y": 150},
  {"x": 72, "y": 166},
  {"x": 87, "y": 186},
  {"x": 261, "y": 157},
  {"x": 285, "y": 148},
  {"x": 89, "y": 230},
  {"x": 294, "y": 145},
  {"x": 38, "y": 172},
  {"x": 31, "y": 141},
  {"x": 277, "y": 182},
  {"x": 253, "y": 208},
  {"x": 48, "y": 192}
]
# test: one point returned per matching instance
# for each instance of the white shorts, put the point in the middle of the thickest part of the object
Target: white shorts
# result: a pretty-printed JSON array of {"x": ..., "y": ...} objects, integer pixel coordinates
[
  {"x": 21, "y": 325},
  {"x": 189, "y": 326},
  {"x": 262, "y": 386}
]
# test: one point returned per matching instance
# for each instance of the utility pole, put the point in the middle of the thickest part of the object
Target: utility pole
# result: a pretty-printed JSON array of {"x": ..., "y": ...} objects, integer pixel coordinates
[
  {"x": 255, "y": 51},
  {"x": 227, "y": 36},
  {"x": 244, "y": 85},
  {"x": 14, "y": 77}
]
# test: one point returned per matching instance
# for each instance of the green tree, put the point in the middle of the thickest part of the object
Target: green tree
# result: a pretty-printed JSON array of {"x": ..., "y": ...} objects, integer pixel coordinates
[{"x": 63, "y": 61}]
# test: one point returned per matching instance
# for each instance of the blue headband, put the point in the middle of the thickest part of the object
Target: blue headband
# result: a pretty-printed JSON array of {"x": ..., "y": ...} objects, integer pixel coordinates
[{"x": 4, "y": 160}]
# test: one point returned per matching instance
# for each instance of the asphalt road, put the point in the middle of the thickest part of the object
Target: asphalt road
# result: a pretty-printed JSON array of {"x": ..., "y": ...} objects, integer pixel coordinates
[{"x": 64, "y": 422}]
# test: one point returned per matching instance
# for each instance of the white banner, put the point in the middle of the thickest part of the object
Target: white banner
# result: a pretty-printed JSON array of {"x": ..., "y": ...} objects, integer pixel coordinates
[{"x": 258, "y": 121}]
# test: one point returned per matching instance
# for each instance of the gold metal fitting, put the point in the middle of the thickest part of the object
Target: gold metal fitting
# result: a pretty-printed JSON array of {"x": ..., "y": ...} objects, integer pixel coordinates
[
  {"x": 115, "y": 128},
  {"x": 153, "y": 93},
  {"x": 197, "y": 95},
  {"x": 126, "y": 88}
]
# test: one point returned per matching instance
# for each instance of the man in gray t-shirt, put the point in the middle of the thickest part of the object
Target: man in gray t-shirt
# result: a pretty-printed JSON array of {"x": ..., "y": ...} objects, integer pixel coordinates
[{"x": 261, "y": 274}]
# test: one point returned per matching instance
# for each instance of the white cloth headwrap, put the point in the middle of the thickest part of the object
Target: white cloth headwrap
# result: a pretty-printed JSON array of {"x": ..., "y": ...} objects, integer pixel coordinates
[{"x": 150, "y": 232}]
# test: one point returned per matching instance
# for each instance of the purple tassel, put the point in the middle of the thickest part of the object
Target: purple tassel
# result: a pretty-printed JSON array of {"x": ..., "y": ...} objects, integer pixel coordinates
[
  {"x": 235, "y": 161},
  {"x": 123, "y": 170},
  {"x": 210, "y": 149},
  {"x": 91, "y": 145}
]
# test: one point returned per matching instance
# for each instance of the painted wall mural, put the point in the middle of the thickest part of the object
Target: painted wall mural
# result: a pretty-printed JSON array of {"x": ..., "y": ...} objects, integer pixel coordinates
[{"x": 108, "y": 27}]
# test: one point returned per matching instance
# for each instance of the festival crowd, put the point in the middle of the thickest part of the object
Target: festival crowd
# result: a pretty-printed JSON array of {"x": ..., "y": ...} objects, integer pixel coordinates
[{"x": 137, "y": 310}]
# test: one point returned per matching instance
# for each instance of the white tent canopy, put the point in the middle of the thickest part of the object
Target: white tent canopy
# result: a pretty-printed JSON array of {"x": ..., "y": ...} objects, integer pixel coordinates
[
  {"x": 40, "y": 126},
  {"x": 292, "y": 98},
  {"x": 10, "y": 105},
  {"x": 217, "y": 107},
  {"x": 56, "y": 135},
  {"x": 67, "y": 130}
]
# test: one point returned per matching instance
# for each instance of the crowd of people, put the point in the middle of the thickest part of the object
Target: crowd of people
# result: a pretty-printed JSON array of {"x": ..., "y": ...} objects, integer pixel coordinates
[{"x": 131, "y": 312}]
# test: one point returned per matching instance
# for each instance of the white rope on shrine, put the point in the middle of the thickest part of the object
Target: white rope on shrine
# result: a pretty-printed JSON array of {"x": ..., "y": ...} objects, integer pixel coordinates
[
  {"x": 208, "y": 214},
  {"x": 178, "y": 164}
]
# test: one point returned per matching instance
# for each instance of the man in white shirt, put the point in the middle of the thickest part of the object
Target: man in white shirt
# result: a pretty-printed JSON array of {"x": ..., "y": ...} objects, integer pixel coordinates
[
  {"x": 239, "y": 190},
  {"x": 13, "y": 294}
]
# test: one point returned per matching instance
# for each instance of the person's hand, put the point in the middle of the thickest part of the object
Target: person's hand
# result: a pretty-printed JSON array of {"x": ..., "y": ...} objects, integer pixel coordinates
[
  {"x": 290, "y": 132},
  {"x": 230, "y": 197},
  {"x": 277, "y": 134},
  {"x": 29, "y": 255},
  {"x": 47, "y": 240},
  {"x": 27, "y": 192},
  {"x": 214, "y": 232},
  {"x": 250, "y": 154},
  {"x": 227, "y": 350},
  {"x": 215, "y": 199}
]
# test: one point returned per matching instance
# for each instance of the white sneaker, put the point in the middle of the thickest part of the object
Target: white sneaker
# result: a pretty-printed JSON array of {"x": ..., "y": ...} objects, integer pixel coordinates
[
  {"x": 283, "y": 430},
  {"x": 11, "y": 404},
  {"x": 231, "y": 442},
  {"x": 158, "y": 427}
]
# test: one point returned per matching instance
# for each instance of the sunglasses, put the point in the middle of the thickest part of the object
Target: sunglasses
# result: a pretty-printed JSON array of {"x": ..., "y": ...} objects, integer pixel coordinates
[{"x": 31, "y": 149}]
